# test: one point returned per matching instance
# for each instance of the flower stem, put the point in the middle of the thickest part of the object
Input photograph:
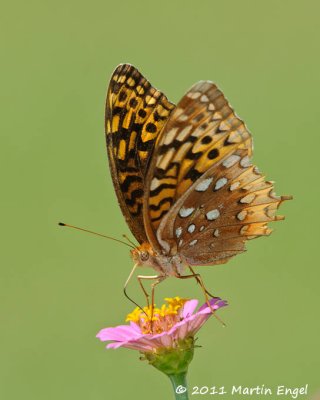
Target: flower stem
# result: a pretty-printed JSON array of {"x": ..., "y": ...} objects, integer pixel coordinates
[{"x": 179, "y": 383}]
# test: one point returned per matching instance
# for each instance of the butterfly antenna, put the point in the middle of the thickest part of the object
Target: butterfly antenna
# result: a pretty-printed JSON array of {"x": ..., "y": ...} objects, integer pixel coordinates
[
  {"x": 129, "y": 240},
  {"x": 125, "y": 289},
  {"x": 95, "y": 233}
]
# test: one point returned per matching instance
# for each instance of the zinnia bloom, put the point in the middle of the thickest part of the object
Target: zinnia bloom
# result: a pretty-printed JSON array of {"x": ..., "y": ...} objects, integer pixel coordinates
[
  {"x": 171, "y": 324},
  {"x": 165, "y": 336}
]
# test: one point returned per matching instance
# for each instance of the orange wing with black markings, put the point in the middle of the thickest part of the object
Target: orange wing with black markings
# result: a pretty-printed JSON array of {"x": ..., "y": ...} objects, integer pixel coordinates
[
  {"x": 135, "y": 115},
  {"x": 183, "y": 175}
]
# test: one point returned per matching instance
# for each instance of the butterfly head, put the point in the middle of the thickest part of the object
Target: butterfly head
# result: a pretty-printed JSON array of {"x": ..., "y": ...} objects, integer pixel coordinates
[{"x": 144, "y": 255}]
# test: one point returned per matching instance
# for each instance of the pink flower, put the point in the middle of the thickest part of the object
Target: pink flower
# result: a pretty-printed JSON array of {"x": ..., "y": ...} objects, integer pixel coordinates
[{"x": 172, "y": 325}]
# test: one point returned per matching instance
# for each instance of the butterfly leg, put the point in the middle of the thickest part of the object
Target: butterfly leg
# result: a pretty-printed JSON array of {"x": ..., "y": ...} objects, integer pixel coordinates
[
  {"x": 158, "y": 279},
  {"x": 200, "y": 281},
  {"x": 198, "y": 278},
  {"x": 140, "y": 278}
]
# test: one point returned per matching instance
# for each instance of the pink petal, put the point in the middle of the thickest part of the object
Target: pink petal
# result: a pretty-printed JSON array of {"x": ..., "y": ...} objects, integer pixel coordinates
[
  {"x": 128, "y": 345},
  {"x": 119, "y": 333},
  {"x": 182, "y": 331},
  {"x": 166, "y": 340},
  {"x": 135, "y": 327},
  {"x": 142, "y": 344},
  {"x": 198, "y": 322},
  {"x": 189, "y": 307},
  {"x": 215, "y": 303},
  {"x": 114, "y": 345}
]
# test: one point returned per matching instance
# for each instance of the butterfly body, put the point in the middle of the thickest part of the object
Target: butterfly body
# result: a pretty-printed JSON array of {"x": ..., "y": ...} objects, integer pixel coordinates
[{"x": 183, "y": 175}]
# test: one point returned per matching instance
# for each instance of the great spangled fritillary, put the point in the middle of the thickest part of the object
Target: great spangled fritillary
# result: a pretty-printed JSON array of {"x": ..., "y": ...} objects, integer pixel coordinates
[{"x": 183, "y": 175}]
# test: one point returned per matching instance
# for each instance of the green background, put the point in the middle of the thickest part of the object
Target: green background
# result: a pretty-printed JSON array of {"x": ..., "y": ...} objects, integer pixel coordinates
[{"x": 59, "y": 287}]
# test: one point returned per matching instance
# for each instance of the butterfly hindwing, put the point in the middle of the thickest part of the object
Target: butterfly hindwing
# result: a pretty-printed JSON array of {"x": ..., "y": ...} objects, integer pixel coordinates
[
  {"x": 135, "y": 115},
  {"x": 201, "y": 130},
  {"x": 231, "y": 205},
  {"x": 205, "y": 198}
]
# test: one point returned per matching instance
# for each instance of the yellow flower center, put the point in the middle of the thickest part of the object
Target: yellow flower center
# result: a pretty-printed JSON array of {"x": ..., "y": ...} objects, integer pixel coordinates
[{"x": 157, "y": 320}]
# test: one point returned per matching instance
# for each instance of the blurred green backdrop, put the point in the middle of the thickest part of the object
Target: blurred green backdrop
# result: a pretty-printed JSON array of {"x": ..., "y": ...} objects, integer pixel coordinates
[{"x": 59, "y": 287}]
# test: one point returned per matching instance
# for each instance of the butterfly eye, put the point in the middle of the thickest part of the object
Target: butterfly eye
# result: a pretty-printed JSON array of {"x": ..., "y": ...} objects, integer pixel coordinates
[{"x": 144, "y": 256}]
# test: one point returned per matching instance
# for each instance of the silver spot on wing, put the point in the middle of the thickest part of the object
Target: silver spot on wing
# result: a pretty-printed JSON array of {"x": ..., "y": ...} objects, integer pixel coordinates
[
  {"x": 203, "y": 185},
  {"x": 213, "y": 214},
  {"x": 191, "y": 228},
  {"x": 185, "y": 211},
  {"x": 220, "y": 183},
  {"x": 230, "y": 161},
  {"x": 178, "y": 232}
]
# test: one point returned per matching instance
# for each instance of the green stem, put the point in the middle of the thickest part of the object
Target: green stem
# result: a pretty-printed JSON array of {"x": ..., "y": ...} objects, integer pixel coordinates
[{"x": 179, "y": 383}]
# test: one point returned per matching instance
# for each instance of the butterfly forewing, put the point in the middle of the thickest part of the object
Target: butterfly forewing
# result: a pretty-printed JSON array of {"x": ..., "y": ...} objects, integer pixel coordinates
[{"x": 135, "y": 114}]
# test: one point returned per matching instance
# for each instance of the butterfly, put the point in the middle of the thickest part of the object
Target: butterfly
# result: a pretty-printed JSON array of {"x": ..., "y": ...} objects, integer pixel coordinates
[{"x": 183, "y": 176}]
